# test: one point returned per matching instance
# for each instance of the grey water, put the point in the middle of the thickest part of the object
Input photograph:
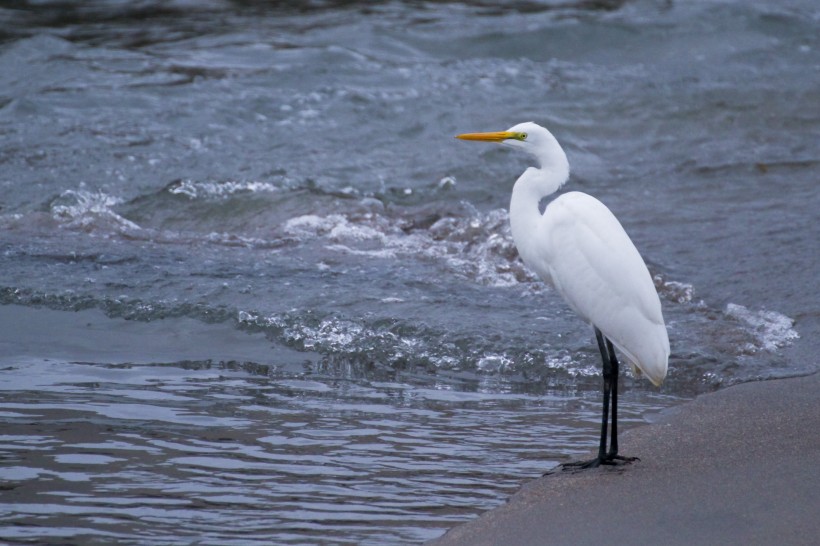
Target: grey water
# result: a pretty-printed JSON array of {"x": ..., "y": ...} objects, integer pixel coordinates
[{"x": 252, "y": 290}]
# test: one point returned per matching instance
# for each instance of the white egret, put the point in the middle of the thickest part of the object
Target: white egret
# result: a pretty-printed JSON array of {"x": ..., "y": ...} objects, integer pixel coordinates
[{"x": 578, "y": 247}]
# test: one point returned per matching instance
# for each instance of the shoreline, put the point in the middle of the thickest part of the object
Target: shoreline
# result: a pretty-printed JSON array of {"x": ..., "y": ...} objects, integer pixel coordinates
[{"x": 735, "y": 466}]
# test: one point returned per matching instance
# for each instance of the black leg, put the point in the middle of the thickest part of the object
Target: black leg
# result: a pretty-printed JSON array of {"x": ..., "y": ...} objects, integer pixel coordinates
[
  {"x": 602, "y": 457},
  {"x": 613, "y": 360},
  {"x": 607, "y": 365},
  {"x": 611, "y": 370},
  {"x": 612, "y": 457}
]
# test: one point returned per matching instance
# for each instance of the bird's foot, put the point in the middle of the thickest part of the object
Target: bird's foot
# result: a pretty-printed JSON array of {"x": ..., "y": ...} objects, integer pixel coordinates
[
  {"x": 576, "y": 466},
  {"x": 609, "y": 459},
  {"x": 618, "y": 460},
  {"x": 583, "y": 465}
]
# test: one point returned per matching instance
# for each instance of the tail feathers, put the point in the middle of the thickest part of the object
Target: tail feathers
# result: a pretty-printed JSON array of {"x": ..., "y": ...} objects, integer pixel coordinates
[{"x": 653, "y": 366}]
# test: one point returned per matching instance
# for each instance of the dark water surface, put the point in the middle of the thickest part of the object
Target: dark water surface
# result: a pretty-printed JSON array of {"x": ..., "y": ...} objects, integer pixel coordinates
[{"x": 253, "y": 291}]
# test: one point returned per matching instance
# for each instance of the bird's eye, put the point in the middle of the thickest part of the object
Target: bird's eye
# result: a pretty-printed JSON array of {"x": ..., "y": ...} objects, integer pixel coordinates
[{"x": 523, "y": 136}]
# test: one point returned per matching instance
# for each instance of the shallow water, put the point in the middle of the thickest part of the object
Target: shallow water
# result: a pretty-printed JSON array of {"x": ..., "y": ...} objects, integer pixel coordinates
[{"x": 253, "y": 290}]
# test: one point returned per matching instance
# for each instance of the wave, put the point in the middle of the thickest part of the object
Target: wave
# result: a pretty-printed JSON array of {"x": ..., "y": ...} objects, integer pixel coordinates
[
  {"x": 91, "y": 211},
  {"x": 353, "y": 347},
  {"x": 770, "y": 330},
  {"x": 470, "y": 243},
  {"x": 455, "y": 239},
  {"x": 676, "y": 291},
  {"x": 478, "y": 247},
  {"x": 207, "y": 189}
]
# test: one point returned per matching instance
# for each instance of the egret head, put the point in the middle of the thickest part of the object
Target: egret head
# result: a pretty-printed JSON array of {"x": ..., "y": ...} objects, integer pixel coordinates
[{"x": 529, "y": 137}]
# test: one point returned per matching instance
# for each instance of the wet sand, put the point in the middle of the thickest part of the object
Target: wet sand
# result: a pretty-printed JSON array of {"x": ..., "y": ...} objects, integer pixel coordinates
[{"x": 738, "y": 466}]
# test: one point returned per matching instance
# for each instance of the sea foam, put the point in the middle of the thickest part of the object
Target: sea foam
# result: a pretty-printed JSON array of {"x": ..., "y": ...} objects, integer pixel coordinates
[
  {"x": 87, "y": 210},
  {"x": 479, "y": 246},
  {"x": 771, "y": 330}
]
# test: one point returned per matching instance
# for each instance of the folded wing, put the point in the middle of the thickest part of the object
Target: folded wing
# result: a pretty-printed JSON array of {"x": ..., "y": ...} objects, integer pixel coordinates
[{"x": 594, "y": 265}]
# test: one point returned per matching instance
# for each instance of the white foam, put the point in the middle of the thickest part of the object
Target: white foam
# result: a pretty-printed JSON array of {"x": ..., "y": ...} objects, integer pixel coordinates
[
  {"x": 679, "y": 292},
  {"x": 479, "y": 247},
  {"x": 341, "y": 336},
  {"x": 330, "y": 335},
  {"x": 89, "y": 210},
  {"x": 494, "y": 363},
  {"x": 336, "y": 227},
  {"x": 572, "y": 367},
  {"x": 231, "y": 239},
  {"x": 771, "y": 330},
  {"x": 227, "y": 188}
]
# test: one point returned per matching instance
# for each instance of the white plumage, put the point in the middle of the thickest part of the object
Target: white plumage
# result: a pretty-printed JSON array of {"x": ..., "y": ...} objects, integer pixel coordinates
[{"x": 593, "y": 264}]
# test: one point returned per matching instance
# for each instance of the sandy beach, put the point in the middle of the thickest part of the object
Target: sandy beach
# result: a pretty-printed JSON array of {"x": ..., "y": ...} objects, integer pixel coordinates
[{"x": 738, "y": 466}]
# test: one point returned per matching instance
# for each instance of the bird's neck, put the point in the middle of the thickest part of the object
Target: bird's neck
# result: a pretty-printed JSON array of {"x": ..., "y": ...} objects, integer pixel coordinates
[{"x": 525, "y": 214}]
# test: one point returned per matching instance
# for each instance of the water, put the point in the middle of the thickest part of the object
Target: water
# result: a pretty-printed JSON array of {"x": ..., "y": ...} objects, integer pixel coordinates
[{"x": 253, "y": 291}]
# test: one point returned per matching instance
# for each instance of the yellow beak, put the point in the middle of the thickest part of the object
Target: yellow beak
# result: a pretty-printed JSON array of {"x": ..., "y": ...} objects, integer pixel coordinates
[{"x": 498, "y": 136}]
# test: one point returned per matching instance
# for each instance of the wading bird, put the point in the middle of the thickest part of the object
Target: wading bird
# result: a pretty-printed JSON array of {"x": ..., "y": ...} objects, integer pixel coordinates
[{"x": 579, "y": 248}]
